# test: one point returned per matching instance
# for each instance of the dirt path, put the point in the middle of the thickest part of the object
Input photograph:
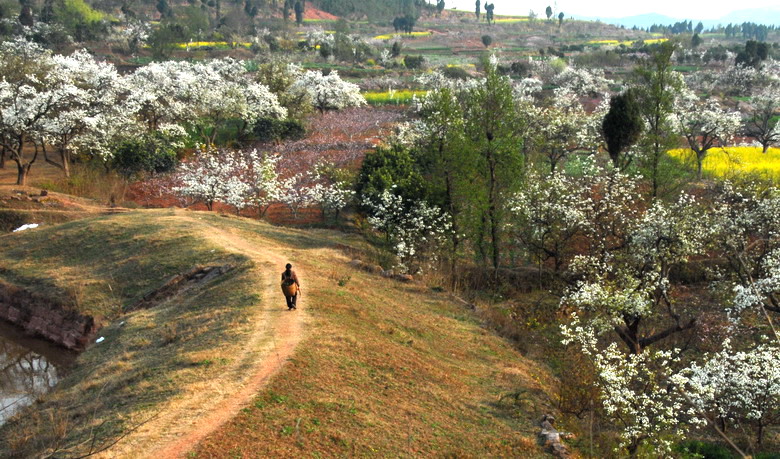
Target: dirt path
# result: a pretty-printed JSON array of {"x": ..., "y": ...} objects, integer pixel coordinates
[{"x": 188, "y": 420}]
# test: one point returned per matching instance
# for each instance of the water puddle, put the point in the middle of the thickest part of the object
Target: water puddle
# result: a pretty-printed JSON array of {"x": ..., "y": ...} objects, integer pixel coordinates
[{"x": 28, "y": 369}]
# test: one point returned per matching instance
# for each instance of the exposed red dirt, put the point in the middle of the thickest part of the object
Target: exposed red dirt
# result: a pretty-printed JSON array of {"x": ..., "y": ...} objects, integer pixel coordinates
[
  {"x": 313, "y": 13},
  {"x": 341, "y": 138}
]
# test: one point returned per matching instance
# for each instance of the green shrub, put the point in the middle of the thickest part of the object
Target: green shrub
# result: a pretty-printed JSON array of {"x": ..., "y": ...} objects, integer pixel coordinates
[
  {"x": 456, "y": 73},
  {"x": 143, "y": 155},
  {"x": 390, "y": 167},
  {"x": 700, "y": 449},
  {"x": 414, "y": 62},
  {"x": 272, "y": 129}
]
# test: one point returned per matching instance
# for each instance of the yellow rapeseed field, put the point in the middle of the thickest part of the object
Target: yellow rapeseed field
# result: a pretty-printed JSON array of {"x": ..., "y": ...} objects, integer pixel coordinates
[
  {"x": 392, "y": 97},
  {"x": 212, "y": 44},
  {"x": 649, "y": 41},
  {"x": 730, "y": 161},
  {"x": 510, "y": 20},
  {"x": 389, "y": 36}
]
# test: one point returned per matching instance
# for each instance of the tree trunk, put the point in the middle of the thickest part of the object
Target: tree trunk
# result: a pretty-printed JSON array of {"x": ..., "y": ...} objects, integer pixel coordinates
[
  {"x": 65, "y": 158},
  {"x": 492, "y": 213},
  {"x": 2, "y": 158},
  {"x": 656, "y": 160},
  {"x": 766, "y": 147},
  {"x": 23, "y": 170}
]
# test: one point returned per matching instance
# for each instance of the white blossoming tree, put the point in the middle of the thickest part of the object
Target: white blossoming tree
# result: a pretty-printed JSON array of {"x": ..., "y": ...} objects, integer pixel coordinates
[
  {"x": 414, "y": 230},
  {"x": 214, "y": 176},
  {"x": 32, "y": 87},
  {"x": 762, "y": 123},
  {"x": 332, "y": 197},
  {"x": 92, "y": 104},
  {"x": 624, "y": 293},
  {"x": 328, "y": 92},
  {"x": 223, "y": 92},
  {"x": 704, "y": 125},
  {"x": 563, "y": 128},
  {"x": 746, "y": 225},
  {"x": 738, "y": 387},
  {"x": 264, "y": 186},
  {"x": 582, "y": 81},
  {"x": 549, "y": 215},
  {"x": 159, "y": 93}
]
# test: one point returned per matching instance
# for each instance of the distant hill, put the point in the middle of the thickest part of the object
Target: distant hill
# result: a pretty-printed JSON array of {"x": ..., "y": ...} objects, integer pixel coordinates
[
  {"x": 767, "y": 16},
  {"x": 373, "y": 10}
]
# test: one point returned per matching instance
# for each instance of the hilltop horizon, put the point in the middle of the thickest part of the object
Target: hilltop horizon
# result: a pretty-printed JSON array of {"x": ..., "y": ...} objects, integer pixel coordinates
[{"x": 641, "y": 15}]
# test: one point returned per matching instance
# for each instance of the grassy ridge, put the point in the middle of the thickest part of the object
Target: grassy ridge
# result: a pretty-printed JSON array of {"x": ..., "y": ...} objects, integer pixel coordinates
[
  {"x": 104, "y": 264},
  {"x": 149, "y": 356},
  {"x": 385, "y": 368},
  {"x": 388, "y": 370}
]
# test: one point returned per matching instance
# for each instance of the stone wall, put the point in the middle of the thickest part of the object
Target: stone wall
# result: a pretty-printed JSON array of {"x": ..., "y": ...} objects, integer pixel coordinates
[{"x": 44, "y": 317}]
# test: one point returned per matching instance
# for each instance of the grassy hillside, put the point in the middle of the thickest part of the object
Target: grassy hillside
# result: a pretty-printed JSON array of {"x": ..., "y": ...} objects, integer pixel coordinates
[
  {"x": 383, "y": 367},
  {"x": 388, "y": 369}
]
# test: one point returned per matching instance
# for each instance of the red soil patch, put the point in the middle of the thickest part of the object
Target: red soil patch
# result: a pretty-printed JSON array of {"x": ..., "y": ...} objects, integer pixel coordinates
[
  {"x": 313, "y": 13},
  {"x": 341, "y": 138}
]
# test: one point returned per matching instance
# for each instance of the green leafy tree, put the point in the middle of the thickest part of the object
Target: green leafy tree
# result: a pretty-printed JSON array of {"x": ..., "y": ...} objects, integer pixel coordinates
[
  {"x": 622, "y": 127},
  {"x": 487, "y": 40},
  {"x": 478, "y": 9},
  {"x": 443, "y": 161},
  {"x": 493, "y": 126},
  {"x": 26, "y": 16},
  {"x": 164, "y": 9},
  {"x": 560, "y": 18},
  {"x": 298, "y": 13},
  {"x": 657, "y": 85},
  {"x": 395, "y": 51},
  {"x": 489, "y": 7},
  {"x": 548, "y": 11},
  {"x": 162, "y": 40},
  {"x": 389, "y": 168},
  {"x": 754, "y": 53}
]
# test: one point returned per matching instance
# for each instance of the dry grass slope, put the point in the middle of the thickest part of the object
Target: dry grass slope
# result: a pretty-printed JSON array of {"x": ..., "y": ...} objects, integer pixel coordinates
[{"x": 384, "y": 368}]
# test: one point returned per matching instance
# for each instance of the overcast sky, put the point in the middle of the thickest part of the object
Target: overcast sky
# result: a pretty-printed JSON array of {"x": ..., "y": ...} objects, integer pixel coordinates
[{"x": 698, "y": 9}]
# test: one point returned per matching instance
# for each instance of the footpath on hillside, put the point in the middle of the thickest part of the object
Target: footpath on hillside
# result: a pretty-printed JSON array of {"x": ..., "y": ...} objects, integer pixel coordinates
[{"x": 188, "y": 419}]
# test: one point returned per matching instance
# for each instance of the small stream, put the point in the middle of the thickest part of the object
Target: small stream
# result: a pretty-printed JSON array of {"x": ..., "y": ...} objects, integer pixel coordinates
[{"x": 29, "y": 368}]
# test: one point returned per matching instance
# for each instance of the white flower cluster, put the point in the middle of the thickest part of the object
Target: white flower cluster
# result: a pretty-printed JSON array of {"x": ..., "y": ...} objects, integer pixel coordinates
[
  {"x": 327, "y": 92},
  {"x": 316, "y": 36},
  {"x": 415, "y": 229},
  {"x": 582, "y": 81},
  {"x": 704, "y": 124},
  {"x": 527, "y": 88},
  {"x": 746, "y": 225},
  {"x": 214, "y": 177},
  {"x": 549, "y": 214},
  {"x": 736, "y": 386},
  {"x": 203, "y": 94},
  {"x": 654, "y": 393},
  {"x": 249, "y": 178},
  {"x": 648, "y": 406}
]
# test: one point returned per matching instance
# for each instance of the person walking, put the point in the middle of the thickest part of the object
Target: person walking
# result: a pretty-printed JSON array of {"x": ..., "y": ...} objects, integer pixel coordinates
[{"x": 290, "y": 286}]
